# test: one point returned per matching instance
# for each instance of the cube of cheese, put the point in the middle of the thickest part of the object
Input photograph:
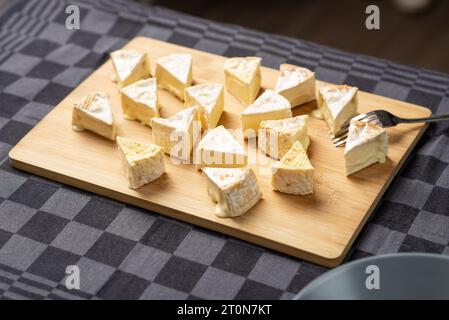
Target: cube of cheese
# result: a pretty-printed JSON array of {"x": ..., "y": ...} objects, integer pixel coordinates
[
  {"x": 144, "y": 162},
  {"x": 235, "y": 190},
  {"x": 294, "y": 173},
  {"x": 243, "y": 78},
  {"x": 139, "y": 101}
]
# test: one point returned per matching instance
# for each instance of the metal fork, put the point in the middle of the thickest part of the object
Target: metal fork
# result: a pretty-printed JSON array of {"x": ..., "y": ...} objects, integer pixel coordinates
[{"x": 382, "y": 118}]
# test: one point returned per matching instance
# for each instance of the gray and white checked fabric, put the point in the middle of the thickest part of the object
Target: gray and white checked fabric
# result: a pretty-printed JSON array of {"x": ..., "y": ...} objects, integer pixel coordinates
[{"x": 127, "y": 253}]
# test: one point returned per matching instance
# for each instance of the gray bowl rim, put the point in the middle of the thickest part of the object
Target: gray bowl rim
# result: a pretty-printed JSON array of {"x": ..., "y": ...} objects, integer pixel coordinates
[{"x": 344, "y": 267}]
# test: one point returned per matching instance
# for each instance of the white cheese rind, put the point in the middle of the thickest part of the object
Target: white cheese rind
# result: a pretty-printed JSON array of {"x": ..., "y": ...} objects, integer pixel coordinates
[
  {"x": 269, "y": 106},
  {"x": 143, "y": 162},
  {"x": 293, "y": 174},
  {"x": 243, "y": 78},
  {"x": 176, "y": 134},
  {"x": 235, "y": 190},
  {"x": 140, "y": 101},
  {"x": 210, "y": 98},
  {"x": 296, "y": 84},
  {"x": 219, "y": 148},
  {"x": 276, "y": 137},
  {"x": 129, "y": 66},
  {"x": 174, "y": 73},
  {"x": 367, "y": 143},
  {"x": 338, "y": 104},
  {"x": 94, "y": 113}
]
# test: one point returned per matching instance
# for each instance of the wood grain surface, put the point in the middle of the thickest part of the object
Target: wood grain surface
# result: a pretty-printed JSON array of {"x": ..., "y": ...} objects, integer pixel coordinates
[{"x": 319, "y": 227}]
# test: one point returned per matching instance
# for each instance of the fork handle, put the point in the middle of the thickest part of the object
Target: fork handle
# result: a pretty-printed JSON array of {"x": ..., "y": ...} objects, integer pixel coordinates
[{"x": 416, "y": 120}]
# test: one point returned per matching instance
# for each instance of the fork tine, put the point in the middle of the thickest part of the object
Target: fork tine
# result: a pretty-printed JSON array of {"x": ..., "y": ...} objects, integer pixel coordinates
[
  {"x": 340, "y": 133},
  {"x": 340, "y": 143},
  {"x": 370, "y": 118},
  {"x": 360, "y": 117},
  {"x": 339, "y": 139}
]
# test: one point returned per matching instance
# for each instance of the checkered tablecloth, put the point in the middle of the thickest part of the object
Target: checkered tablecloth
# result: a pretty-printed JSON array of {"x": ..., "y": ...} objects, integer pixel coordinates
[{"x": 125, "y": 252}]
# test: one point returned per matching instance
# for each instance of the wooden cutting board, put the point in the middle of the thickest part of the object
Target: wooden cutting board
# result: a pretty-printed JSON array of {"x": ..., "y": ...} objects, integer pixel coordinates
[{"x": 319, "y": 227}]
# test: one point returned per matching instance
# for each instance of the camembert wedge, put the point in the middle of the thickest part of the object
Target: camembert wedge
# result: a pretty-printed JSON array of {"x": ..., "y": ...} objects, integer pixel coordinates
[
  {"x": 176, "y": 134},
  {"x": 129, "y": 66},
  {"x": 276, "y": 137},
  {"x": 210, "y": 98},
  {"x": 296, "y": 84},
  {"x": 174, "y": 73},
  {"x": 338, "y": 104},
  {"x": 94, "y": 113},
  {"x": 139, "y": 101},
  {"x": 269, "y": 106},
  {"x": 367, "y": 143},
  {"x": 235, "y": 190},
  {"x": 144, "y": 162},
  {"x": 243, "y": 78},
  {"x": 219, "y": 148},
  {"x": 293, "y": 174}
]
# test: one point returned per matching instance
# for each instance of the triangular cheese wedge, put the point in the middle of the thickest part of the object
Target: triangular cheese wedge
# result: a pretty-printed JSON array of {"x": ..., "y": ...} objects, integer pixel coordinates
[
  {"x": 367, "y": 143},
  {"x": 144, "y": 162},
  {"x": 269, "y": 106},
  {"x": 296, "y": 84},
  {"x": 219, "y": 148},
  {"x": 174, "y": 73},
  {"x": 243, "y": 78},
  {"x": 176, "y": 134},
  {"x": 210, "y": 98},
  {"x": 294, "y": 173},
  {"x": 129, "y": 66},
  {"x": 139, "y": 101},
  {"x": 94, "y": 113},
  {"x": 276, "y": 137},
  {"x": 338, "y": 104},
  {"x": 235, "y": 190}
]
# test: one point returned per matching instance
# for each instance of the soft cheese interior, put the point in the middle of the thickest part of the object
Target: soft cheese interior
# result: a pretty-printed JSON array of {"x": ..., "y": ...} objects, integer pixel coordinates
[
  {"x": 174, "y": 73},
  {"x": 338, "y": 104},
  {"x": 210, "y": 98},
  {"x": 367, "y": 143},
  {"x": 243, "y": 78},
  {"x": 129, "y": 66},
  {"x": 176, "y": 134},
  {"x": 140, "y": 102},
  {"x": 219, "y": 148},
  {"x": 143, "y": 163},
  {"x": 296, "y": 84},
  {"x": 269, "y": 106},
  {"x": 235, "y": 190},
  {"x": 94, "y": 113},
  {"x": 294, "y": 173},
  {"x": 276, "y": 137}
]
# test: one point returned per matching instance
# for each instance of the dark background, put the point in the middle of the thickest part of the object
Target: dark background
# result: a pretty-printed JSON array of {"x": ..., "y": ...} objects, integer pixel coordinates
[{"x": 420, "y": 38}]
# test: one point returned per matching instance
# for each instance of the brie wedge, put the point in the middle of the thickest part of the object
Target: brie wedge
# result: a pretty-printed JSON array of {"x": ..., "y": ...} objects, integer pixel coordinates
[
  {"x": 174, "y": 73},
  {"x": 276, "y": 137},
  {"x": 144, "y": 162},
  {"x": 94, "y": 113},
  {"x": 294, "y": 173},
  {"x": 129, "y": 66},
  {"x": 296, "y": 84},
  {"x": 269, "y": 106},
  {"x": 176, "y": 134},
  {"x": 243, "y": 78},
  {"x": 338, "y": 104},
  {"x": 210, "y": 98},
  {"x": 235, "y": 190},
  {"x": 367, "y": 143},
  {"x": 139, "y": 101},
  {"x": 219, "y": 148}
]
